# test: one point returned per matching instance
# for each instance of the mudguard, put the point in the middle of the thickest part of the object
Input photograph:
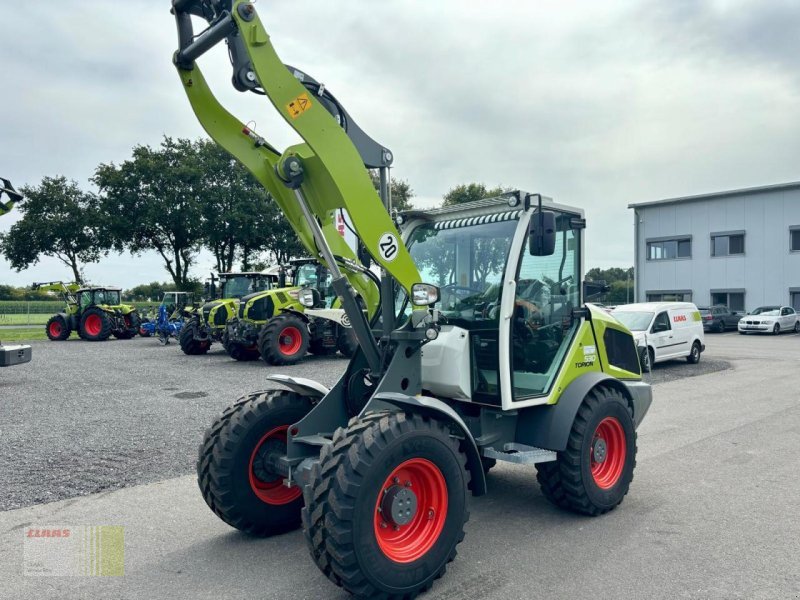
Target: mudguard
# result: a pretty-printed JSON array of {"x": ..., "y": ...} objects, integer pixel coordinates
[
  {"x": 548, "y": 426},
  {"x": 301, "y": 385},
  {"x": 436, "y": 409}
]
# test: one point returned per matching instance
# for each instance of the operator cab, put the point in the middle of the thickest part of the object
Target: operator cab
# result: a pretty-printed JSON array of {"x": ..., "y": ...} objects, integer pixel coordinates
[
  {"x": 310, "y": 274},
  {"x": 238, "y": 285},
  {"x": 506, "y": 315},
  {"x": 98, "y": 295}
]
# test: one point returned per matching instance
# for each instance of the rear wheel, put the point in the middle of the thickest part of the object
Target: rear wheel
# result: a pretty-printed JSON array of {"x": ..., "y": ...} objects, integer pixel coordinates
[
  {"x": 797, "y": 327},
  {"x": 694, "y": 354},
  {"x": 57, "y": 328},
  {"x": 283, "y": 340},
  {"x": 317, "y": 344},
  {"x": 720, "y": 326},
  {"x": 346, "y": 341},
  {"x": 95, "y": 325},
  {"x": 190, "y": 344},
  {"x": 386, "y": 505},
  {"x": 241, "y": 352},
  {"x": 593, "y": 474},
  {"x": 131, "y": 326},
  {"x": 234, "y": 465}
]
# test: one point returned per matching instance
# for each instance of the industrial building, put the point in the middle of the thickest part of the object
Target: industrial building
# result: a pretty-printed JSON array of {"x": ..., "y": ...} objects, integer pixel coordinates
[{"x": 740, "y": 248}]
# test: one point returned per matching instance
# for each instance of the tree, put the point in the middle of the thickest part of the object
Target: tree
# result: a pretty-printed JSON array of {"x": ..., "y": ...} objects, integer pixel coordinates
[
  {"x": 154, "y": 201},
  {"x": 400, "y": 189},
  {"x": 470, "y": 192},
  {"x": 619, "y": 280},
  {"x": 58, "y": 220}
]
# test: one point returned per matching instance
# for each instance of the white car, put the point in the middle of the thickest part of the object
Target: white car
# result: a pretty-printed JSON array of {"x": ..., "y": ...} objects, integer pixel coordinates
[
  {"x": 770, "y": 319},
  {"x": 664, "y": 330}
]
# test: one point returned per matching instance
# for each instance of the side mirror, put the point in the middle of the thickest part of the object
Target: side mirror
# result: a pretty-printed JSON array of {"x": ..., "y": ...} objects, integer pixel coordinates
[{"x": 542, "y": 233}]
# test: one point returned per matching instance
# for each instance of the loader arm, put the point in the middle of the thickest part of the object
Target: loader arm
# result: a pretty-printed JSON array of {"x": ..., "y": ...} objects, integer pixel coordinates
[
  {"x": 13, "y": 196},
  {"x": 67, "y": 290},
  {"x": 333, "y": 175}
]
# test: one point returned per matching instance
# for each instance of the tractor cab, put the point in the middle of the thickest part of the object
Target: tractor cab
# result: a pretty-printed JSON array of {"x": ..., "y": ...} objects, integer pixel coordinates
[
  {"x": 98, "y": 296},
  {"x": 237, "y": 285},
  {"x": 176, "y": 302},
  {"x": 309, "y": 274}
]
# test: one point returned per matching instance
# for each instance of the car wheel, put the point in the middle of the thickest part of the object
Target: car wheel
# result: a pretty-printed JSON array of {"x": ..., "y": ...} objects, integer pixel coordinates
[
  {"x": 797, "y": 327},
  {"x": 777, "y": 329},
  {"x": 720, "y": 326}
]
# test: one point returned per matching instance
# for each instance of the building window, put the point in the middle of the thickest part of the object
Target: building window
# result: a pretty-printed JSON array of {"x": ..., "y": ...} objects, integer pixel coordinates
[
  {"x": 669, "y": 296},
  {"x": 669, "y": 249},
  {"x": 727, "y": 244},
  {"x": 796, "y": 301},
  {"x": 794, "y": 242},
  {"x": 733, "y": 300}
]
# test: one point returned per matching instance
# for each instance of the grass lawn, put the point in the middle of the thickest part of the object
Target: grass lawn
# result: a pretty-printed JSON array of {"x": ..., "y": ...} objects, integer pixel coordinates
[{"x": 22, "y": 335}]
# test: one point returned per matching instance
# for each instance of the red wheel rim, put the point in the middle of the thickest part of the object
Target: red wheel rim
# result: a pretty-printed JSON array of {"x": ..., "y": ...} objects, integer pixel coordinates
[
  {"x": 411, "y": 541},
  {"x": 93, "y": 324},
  {"x": 55, "y": 329},
  {"x": 272, "y": 492},
  {"x": 607, "y": 453},
  {"x": 290, "y": 340},
  {"x": 142, "y": 331}
]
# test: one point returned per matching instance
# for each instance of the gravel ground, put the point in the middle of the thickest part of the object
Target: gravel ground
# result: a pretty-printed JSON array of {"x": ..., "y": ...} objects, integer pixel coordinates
[{"x": 83, "y": 418}]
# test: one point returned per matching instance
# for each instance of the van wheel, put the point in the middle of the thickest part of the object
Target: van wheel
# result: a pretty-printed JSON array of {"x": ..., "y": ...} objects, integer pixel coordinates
[
  {"x": 646, "y": 359},
  {"x": 694, "y": 355}
]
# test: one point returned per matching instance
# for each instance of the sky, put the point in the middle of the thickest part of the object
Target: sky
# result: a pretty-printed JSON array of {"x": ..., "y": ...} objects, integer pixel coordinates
[{"x": 595, "y": 104}]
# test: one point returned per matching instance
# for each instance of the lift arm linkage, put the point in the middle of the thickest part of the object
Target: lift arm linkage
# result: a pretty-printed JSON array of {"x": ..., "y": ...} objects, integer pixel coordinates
[
  {"x": 13, "y": 196},
  {"x": 334, "y": 176}
]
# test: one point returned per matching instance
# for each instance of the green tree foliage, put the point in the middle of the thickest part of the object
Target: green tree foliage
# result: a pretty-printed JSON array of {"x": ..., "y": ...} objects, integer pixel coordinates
[
  {"x": 470, "y": 192},
  {"x": 8, "y": 292},
  {"x": 620, "y": 281},
  {"x": 58, "y": 220},
  {"x": 148, "y": 291},
  {"x": 154, "y": 202}
]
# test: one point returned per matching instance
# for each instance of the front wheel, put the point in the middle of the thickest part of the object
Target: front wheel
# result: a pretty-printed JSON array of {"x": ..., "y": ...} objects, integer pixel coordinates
[
  {"x": 593, "y": 474},
  {"x": 386, "y": 505},
  {"x": 646, "y": 357},
  {"x": 57, "y": 328},
  {"x": 235, "y": 463},
  {"x": 283, "y": 340},
  {"x": 189, "y": 342},
  {"x": 776, "y": 330},
  {"x": 694, "y": 354}
]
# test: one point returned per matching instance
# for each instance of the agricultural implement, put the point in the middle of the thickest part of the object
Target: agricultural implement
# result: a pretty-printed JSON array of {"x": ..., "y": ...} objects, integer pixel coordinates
[
  {"x": 18, "y": 353},
  {"x": 169, "y": 318},
  {"x": 282, "y": 325},
  {"x": 512, "y": 365},
  {"x": 94, "y": 312},
  {"x": 207, "y": 325}
]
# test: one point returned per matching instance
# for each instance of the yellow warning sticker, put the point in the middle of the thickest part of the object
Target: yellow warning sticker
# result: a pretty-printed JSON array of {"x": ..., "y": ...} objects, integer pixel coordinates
[{"x": 299, "y": 105}]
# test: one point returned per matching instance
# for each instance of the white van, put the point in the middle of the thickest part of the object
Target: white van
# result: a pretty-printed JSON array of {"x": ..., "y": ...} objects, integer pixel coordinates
[{"x": 664, "y": 330}]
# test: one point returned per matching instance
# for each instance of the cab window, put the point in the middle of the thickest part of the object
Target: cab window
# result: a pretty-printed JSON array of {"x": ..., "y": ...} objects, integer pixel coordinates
[{"x": 661, "y": 323}]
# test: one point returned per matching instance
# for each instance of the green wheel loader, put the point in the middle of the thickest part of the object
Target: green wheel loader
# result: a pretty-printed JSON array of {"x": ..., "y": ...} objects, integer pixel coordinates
[
  {"x": 207, "y": 324},
  {"x": 281, "y": 328},
  {"x": 94, "y": 312},
  {"x": 482, "y": 348}
]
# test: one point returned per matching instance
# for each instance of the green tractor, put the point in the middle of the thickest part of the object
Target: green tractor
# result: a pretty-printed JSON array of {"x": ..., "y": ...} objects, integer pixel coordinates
[
  {"x": 483, "y": 349},
  {"x": 95, "y": 312},
  {"x": 281, "y": 326},
  {"x": 206, "y": 325}
]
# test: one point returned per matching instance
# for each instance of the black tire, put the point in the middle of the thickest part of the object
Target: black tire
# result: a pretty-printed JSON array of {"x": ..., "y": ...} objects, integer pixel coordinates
[
  {"x": 488, "y": 464},
  {"x": 776, "y": 330},
  {"x": 57, "y": 328},
  {"x": 720, "y": 326},
  {"x": 273, "y": 340},
  {"x": 224, "y": 471},
  {"x": 694, "y": 354},
  {"x": 352, "y": 473},
  {"x": 99, "y": 325},
  {"x": 190, "y": 345},
  {"x": 316, "y": 344},
  {"x": 797, "y": 327},
  {"x": 241, "y": 352},
  {"x": 346, "y": 342},
  {"x": 646, "y": 360},
  {"x": 131, "y": 321},
  {"x": 568, "y": 481}
]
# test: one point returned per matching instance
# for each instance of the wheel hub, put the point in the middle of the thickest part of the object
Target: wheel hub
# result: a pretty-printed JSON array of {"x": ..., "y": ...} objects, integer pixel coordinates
[
  {"x": 269, "y": 451},
  {"x": 399, "y": 505},
  {"x": 599, "y": 450}
]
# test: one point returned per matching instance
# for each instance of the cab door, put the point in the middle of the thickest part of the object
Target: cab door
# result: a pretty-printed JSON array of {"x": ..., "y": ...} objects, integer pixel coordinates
[{"x": 662, "y": 336}]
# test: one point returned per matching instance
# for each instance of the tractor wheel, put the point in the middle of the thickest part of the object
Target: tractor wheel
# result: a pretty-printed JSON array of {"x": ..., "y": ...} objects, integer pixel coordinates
[
  {"x": 233, "y": 468},
  {"x": 241, "y": 352},
  {"x": 57, "y": 328},
  {"x": 316, "y": 343},
  {"x": 189, "y": 344},
  {"x": 386, "y": 505},
  {"x": 131, "y": 326},
  {"x": 346, "y": 341},
  {"x": 283, "y": 340},
  {"x": 694, "y": 354},
  {"x": 95, "y": 325},
  {"x": 488, "y": 464},
  {"x": 595, "y": 471}
]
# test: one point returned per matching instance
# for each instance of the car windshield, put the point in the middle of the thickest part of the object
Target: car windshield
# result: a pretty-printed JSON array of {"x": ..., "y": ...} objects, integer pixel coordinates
[
  {"x": 237, "y": 286},
  {"x": 633, "y": 320},
  {"x": 767, "y": 311}
]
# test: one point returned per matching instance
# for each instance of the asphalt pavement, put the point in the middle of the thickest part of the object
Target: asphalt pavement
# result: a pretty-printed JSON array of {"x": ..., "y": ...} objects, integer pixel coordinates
[{"x": 711, "y": 512}]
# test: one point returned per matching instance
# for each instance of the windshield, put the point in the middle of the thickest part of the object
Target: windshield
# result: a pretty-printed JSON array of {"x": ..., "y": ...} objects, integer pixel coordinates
[
  {"x": 106, "y": 297},
  {"x": 633, "y": 320},
  {"x": 466, "y": 263},
  {"x": 306, "y": 276},
  {"x": 236, "y": 286},
  {"x": 767, "y": 311}
]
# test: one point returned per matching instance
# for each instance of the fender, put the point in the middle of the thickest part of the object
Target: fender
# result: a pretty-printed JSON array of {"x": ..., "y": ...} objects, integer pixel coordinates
[
  {"x": 301, "y": 385},
  {"x": 548, "y": 426},
  {"x": 296, "y": 313},
  {"x": 435, "y": 409}
]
